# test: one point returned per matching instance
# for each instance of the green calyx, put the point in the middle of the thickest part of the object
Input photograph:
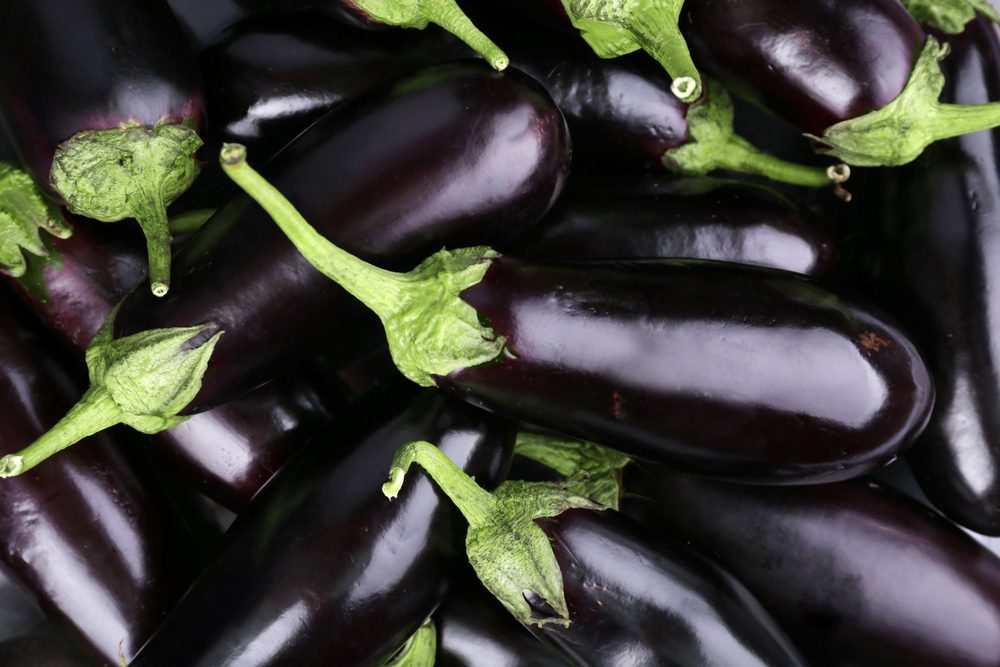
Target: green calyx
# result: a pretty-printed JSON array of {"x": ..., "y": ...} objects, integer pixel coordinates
[
  {"x": 900, "y": 131},
  {"x": 23, "y": 211},
  {"x": 143, "y": 380},
  {"x": 951, "y": 16},
  {"x": 420, "y": 650},
  {"x": 590, "y": 470},
  {"x": 510, "y": 553},
  {"x": 130, "y": 172},
  {"x": 614, "y": 28},
  {"x": 714, "y": 145},
  {"x": 431, "y": 331},
  {"x": 445, "y": 13}
]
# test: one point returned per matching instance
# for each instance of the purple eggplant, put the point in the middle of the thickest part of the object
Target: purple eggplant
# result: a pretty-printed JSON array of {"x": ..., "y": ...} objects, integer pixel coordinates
[
  {"x": 101, "y": 98},
  {"x": 268, "y": 79},
  {"x": 856, "y": 574},
  {"x": 729, "y": 222},
  {"x": 936, "y": 271},
  {"x": 99, "y": 548},
  {"x": 321, "y": 569},
  {"x": 859, "y": 76},
  {"x": 728, "y": 371},
  {"x": 598, "y": 587}
]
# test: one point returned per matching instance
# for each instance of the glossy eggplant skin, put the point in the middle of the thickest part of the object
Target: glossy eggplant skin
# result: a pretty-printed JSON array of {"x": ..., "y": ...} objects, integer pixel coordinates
[
  {"x": 103, "y": 554},
  {"x": 712, "y": 368},
  {"x": 268, "y": 79},
  {"x": 454, "y": 155},
  {"x": 812, "y": 63},
  {"x": 732, "y": 223},
  {"x": 42, "y": 649},
  {"x": 90, "y": 65},
  {"x": 938, "y": 272},
  {"x": 636, "y": 598},
  {"x": 856, "y": 574},
  {"x": 474, "y": 630},
  {"x": 322, "y": 568}
]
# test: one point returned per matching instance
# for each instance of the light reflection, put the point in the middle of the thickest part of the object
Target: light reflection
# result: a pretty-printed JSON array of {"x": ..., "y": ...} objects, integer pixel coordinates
[
  {"x": 269, "y": 643},
  {"x": 963, "y": 427},
  {"x": 278, "y": 107},
  {"x": 783, "y": 369}
]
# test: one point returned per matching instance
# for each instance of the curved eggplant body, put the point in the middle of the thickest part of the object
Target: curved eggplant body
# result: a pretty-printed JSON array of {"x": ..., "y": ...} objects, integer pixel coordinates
[
  {"x": 101, "y": 551},
  {"x": 858, "y": 576},
  {"x": 454, "y": 155},
  {"x": 712, "y": 368},
  {"x": 939, "y": 273},
  {"x": 637, "y": 599},
  {"x": 474, "y": 630},
  {"x": 66, "y": 67},
  {"x": 267, "y": 80},
  {"x": 812, "y": 63},
  {"x": 322, "y": 569},
  {"x": 741, "y": 224}
]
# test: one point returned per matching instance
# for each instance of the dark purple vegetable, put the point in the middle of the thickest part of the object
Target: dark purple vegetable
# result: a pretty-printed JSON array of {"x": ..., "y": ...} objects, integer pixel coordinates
[
  {"x": 321, "y": 569},
  {"x": 858, "y": 75},
  {"x": 938, "y": 272},
  {"x": 857, "y": 575},
  {"x": 44, "y": 648},
  {"x": 101, "y": 98},
  {"x": 600, "y": 588},
  {"x": 732, "y": 222},
  {"x": 99, "y": 548},
  {"x": 268, "y": 79},
  {"x": 722, "y": 370},
  {"x": 474, "y": 630}
]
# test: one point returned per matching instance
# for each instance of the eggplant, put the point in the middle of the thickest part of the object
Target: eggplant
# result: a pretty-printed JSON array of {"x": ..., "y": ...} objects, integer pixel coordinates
[
  {"x": 731, "y": 222},
  {"x": 101, "y": 98},
  {"x": 936, "y": 272},
  {"x": 40, "y": 650},
  {"x": 860, "y": 77},
  {"x": 474, "y": 630},
  {"x": 856, "y": 574},
  {"x": 320, "y": 569},
  {"x": 266, "y": 80},
  {"x": 717, "y": 369},
  {"x": 597, "y": 586},
  {"x": 228, "y": 452},
  {"x": 100, "y": 550},
  {"x": 451, "y": 154}
]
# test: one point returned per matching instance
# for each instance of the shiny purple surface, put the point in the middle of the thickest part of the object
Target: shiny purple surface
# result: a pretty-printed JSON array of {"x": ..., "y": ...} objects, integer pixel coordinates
[
  {"x": 66, "y": 67},
  {"x": 713, "y": 368},
  {"x": 859, "y": 576},
  {"x": 97, "y": 544},
  {"x": 812, "y": 63}
]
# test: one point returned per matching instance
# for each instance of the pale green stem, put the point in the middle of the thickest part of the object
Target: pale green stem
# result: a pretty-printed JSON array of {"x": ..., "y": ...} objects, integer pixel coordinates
[
  {"x": 475, "y": 503},
  {"x": 377, "y": 288},
  {"x": 95, "y": 412},
  {"x": 190, "y": 221},
  {"x": 662, "y": 39},
  {"x": 448, "y": 15},
  {"x": 739, "y": 155},
  {"x": 150, "y": 212},
  {"x": 951, "y": 120}
]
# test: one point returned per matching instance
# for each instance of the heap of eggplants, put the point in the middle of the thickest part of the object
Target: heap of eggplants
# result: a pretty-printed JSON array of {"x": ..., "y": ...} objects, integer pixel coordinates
[{"x": 692, "y": 324}]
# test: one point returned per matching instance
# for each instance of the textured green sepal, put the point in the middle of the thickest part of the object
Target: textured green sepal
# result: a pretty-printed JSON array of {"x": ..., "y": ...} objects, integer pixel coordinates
[
  {"x": 23, "y": 211},
  {"x": 430, "y": 329},
  {"x": 615, "y": 28},
  {"x": 900, "y": 131},
  {"x": 444, "y": 13},
  {"x": 950, "y": 16},
  {"x": 714, "y": 145},
  {"x": 590, "y": 470},
  {"x": 510, "y": 553},
  {"x": 143, "y": 380},
  {"x": 420, "y": 650},
  {"x": 130, "y": 172}
]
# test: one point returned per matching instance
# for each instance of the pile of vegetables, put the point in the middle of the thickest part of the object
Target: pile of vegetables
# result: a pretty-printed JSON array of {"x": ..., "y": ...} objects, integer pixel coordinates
[{"x": 515, "y": 341}]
